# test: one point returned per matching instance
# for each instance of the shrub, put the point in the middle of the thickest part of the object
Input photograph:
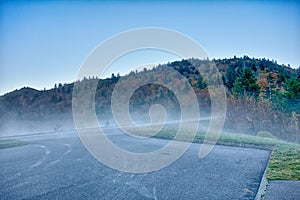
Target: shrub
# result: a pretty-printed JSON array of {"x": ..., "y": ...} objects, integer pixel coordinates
[{"x": 265, "y": 134}]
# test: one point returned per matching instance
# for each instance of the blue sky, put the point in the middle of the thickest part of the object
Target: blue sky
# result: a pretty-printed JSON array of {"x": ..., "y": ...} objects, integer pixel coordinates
[{"x": 45, "y": 42}]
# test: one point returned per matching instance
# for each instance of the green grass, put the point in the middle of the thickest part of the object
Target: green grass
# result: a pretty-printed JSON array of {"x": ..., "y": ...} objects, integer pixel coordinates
[
  {"x": 284, "y": 162},
  {"x": 8, "y": 143},
  {"x": 265, "y": 134}
]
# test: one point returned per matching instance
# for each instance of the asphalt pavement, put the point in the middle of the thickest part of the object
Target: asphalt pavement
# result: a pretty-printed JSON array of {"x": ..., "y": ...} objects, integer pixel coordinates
[
  {"x": 57, "y": 166},
  {"x": 278, "y": 190}
]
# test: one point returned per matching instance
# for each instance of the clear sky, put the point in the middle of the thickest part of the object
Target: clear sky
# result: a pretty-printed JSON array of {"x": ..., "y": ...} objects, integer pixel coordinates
[{"x": 45, "y": 42}]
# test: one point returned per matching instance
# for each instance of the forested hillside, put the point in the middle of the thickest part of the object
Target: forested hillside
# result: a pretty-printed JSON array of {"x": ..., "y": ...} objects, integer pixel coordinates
[{"x": 261, "y": 95}]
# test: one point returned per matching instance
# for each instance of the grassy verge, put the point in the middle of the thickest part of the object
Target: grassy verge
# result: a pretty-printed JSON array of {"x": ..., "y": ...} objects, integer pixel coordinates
[
  {"x": 284, "y": 163},
  {"x": 8, "y": 143}
]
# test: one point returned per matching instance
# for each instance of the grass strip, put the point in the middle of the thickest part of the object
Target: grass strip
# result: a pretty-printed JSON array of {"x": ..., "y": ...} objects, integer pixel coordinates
[
  {"x": 9, "y": 143},
  {"x": 284, "y": 163}
]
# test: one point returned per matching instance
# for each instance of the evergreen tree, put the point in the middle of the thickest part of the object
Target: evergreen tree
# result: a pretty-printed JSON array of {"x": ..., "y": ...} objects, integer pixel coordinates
[
  {"x": 246, "y": 84},
  {"x": 293, "y": 89},
  {"x": 230, "y": 78}
]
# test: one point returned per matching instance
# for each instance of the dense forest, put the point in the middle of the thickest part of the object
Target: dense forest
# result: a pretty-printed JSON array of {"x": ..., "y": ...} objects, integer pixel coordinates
[{"x": 261, "y": 95}]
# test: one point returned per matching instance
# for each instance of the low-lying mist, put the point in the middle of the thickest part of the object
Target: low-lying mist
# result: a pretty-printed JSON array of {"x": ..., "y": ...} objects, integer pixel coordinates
[{"x": 271, "y": 104}]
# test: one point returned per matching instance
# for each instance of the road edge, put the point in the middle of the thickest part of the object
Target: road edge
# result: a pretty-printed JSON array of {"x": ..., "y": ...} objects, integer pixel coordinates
[{"x": 264, "y": 182}]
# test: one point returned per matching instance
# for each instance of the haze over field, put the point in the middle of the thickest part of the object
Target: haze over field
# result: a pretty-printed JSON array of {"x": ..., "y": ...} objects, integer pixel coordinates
[{"x": 261, "y": 96}]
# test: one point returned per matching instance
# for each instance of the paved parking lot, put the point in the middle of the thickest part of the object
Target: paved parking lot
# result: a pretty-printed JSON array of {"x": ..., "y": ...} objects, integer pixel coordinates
[{"x": 57, "y": 165}]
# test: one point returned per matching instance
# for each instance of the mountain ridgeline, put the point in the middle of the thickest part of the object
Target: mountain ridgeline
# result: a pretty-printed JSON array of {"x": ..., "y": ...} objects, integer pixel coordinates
[{"x": 261, "y": 95}]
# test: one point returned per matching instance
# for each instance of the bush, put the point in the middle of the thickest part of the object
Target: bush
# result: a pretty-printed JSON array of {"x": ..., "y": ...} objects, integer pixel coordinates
[
  {"x": 265, "y": 134},
  {"x": 58, "y": 127}
]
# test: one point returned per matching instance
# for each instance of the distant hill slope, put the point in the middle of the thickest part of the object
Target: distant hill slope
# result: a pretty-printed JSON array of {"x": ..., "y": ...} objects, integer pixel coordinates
[{"x": 261, "y": 95}]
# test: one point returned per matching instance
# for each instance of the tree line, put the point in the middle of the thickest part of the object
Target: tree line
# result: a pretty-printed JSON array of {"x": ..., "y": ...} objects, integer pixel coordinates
[{"x": 261, "y": 94}]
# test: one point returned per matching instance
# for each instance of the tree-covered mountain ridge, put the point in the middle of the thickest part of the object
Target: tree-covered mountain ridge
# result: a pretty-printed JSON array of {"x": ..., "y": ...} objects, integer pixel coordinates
[{"x": 261, "y": 94}]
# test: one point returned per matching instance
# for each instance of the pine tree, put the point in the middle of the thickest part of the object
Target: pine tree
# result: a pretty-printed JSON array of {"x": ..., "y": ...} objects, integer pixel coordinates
[
  {"x": 293, "y": 88},
  {"x": 246, "y": 84},
  {"x": 230, "y": 78}
]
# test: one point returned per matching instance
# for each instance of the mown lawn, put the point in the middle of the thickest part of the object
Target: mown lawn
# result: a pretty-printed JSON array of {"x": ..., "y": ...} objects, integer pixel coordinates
[{"x": 284, "y": 163}]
